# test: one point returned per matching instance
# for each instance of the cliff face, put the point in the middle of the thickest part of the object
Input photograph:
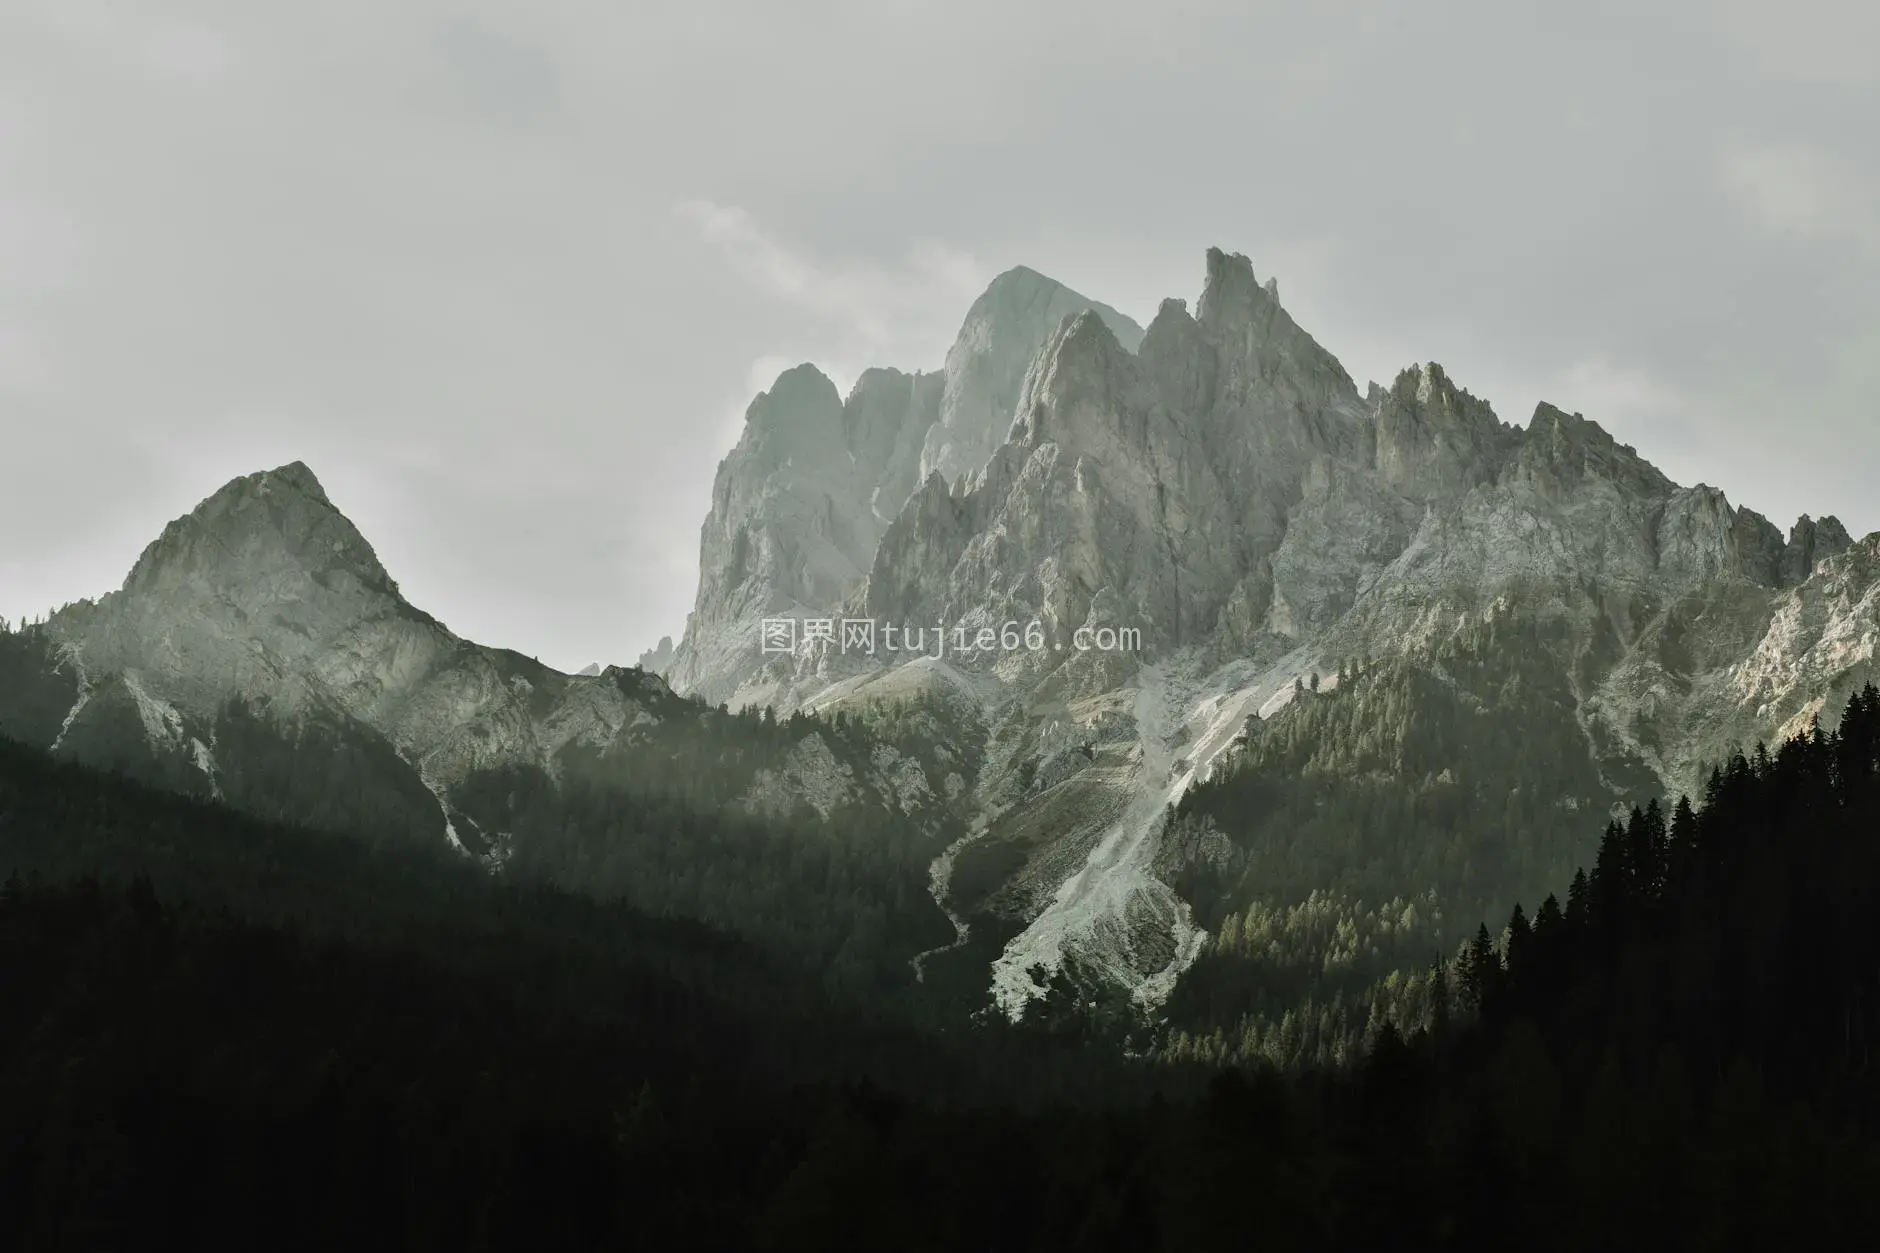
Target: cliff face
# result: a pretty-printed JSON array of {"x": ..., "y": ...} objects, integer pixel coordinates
[
  {"x": 267, "y": 592},
  {"x": 266, "y": 595},
  {"x": 1214, "y": 494},
  {"x": 986, "y": 366},
  {"x": 1220, "y": 491},
  {"x": 800, "y": 505}
]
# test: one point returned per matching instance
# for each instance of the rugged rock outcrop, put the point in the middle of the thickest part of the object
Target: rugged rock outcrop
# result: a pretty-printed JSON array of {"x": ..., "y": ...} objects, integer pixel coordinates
[
  {"x": 268, "y": 593},
  {"x": 1221, "y": 488},
  {"x": 1214, "y": 491},
  {"x": 268, "y": 596},
  {"x": 655, "y": 660},
  {"x": 800, "y": 505},
  {"x": 988, "y": 361}
]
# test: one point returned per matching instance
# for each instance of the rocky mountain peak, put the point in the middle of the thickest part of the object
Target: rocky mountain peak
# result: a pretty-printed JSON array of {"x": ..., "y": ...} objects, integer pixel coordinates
[
  {"x": 1571, "y": 446},
  {"x": 1080, "y": 360},
  {"x": 1431, "y": 437},
  {"x": 1170, "y": 315},
  {"x": 1087, "y": 394},
  {"x": 1810, "y": 544},
  {"x": 987, "y": 365},
  {"x": 657, "y": 659},
  {"x": 1178, "y": 357},
  {"x": 801, "y": 415},
  {"x": 296, "y": 476},
  {"x": 1230, "y": 288},
  {"x": 1265, "y": 360},
  {"x": 269, "y": 521}
]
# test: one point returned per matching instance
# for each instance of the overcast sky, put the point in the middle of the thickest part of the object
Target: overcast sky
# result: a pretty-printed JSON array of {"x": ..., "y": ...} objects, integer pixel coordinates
[{"x": 506, "y": 274}]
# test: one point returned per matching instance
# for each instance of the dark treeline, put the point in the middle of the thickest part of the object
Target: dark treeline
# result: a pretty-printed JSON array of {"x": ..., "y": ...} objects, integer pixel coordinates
[
  {"x": 691, "y": 812},
  {"x": 661, "y": 821},
  {"x": 1679, "y": 1056}
]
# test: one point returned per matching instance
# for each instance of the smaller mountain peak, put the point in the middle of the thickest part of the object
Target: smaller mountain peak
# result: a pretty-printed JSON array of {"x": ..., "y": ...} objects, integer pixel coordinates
[
  {"x": 1172, "y": 321},
  {"x": 1427, "y": 386},
  {"x": 1222, "y": 263},
  {"x": 267, "y": 521},
  {"x": 1432, "y": 437},
  {"x": 1810, "y": 543},
  {"x": 1086, "y": 325},
  {"x": 1561, "y": 429},
  {"x": 1549, "y": 417},
  {"x": 878, "y": 376},
  {"x": 1229, "y": 274},
  {"x": 801, "y": 379},
  {"x": 1233, "y": 294},
  {"x": 801, "y": 407},
  {"x": 1021, "y": 275},
  {"x": 1423, "y": 383},
  {"x": 1018, "y": 288},
  {"x": 1021, "y": 294},
  {"x": 1574, "y": 442},
  {"x": 658, "y": 659},
  {"x": 294, "y": 475}
]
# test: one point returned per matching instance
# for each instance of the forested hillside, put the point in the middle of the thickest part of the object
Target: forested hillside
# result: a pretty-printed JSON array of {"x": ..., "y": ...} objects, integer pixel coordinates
[
  {"x": 692, "y": 812},
  {"x": 658, "y": 823},
  {"x": 262, "y": 1034},
  {"x": 1369, "y": 826}
]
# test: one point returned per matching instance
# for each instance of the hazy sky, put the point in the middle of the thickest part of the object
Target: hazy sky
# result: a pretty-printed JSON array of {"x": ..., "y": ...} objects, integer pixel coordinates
[{"x": 506, "y": 274}]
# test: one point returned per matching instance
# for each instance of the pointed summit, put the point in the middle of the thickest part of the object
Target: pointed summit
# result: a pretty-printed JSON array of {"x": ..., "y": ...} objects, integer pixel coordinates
[
  {"x": 1231, "y": 289},
  {"x": 259, "y": 522},
  {"x": 1570, "y": 446},
  {"x": 985, "y": 370},
  {"x": 258, "y": 591},
  {"x": 297, "y": 476},
  {"x": 1810, "y": 543},
  {"x": 1432, "y": 438}
]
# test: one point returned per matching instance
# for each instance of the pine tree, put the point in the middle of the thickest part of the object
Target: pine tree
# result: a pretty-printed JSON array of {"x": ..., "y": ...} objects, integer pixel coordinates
[
  {"x": 1439, "y": 1002},
  {"x": 1577, "y": 908},
  {"x": 1480, "y": 970},
  {"x": 1520, "y": 940}
]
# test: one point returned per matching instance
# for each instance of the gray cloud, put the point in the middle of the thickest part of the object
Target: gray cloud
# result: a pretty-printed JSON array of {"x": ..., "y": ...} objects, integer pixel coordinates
[{"x": 434, "y": 249}]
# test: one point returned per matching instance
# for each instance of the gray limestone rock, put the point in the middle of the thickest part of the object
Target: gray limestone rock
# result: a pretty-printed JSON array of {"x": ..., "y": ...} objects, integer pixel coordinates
[{"x": 986, "y": 366}]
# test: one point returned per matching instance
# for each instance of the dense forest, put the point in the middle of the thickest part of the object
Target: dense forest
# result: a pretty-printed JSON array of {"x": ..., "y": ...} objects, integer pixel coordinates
[
  {"x": 1371, "y": 824},
  {"x": 698, "y": 812},
  {"x": 218, "y": 1033},
  {"x": 654, "y": 822}
]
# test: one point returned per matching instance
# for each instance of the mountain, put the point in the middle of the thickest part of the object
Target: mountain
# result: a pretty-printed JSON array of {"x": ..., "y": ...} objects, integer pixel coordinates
[
  {"x": 658, "y": 659},
  {"x": 800, "y": 505},
  {"x": 1220, "y": 500},
  {"x": 986, "y": 366},
  {"x": 260, "y": 654},
  {"x": 267, "y": 594},
  {"x": 1210, "y": 645}
]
